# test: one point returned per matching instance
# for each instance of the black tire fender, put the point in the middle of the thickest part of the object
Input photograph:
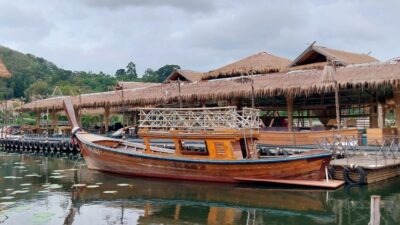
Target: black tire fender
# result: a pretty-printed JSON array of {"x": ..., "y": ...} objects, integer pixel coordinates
[{"x": 362, "y": 175}]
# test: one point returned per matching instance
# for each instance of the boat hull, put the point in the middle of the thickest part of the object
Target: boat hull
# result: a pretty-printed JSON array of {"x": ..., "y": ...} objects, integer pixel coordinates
[{"x": 310, "y": 166}]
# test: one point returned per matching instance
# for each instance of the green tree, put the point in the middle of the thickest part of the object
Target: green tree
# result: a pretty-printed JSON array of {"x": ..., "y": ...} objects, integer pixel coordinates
[
  {"x": 39, "y": 88},
  {"x": 131, "y": 71},
  {"x": 165, "y": 71},
  {"x": 120, "y": 74},
  {"x": 150, "y": 75}
]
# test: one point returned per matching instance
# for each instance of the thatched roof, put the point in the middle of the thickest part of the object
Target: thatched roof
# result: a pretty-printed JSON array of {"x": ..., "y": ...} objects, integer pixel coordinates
[
  {"x": 184, "y": 75},
  {"x": 316, "y": 54},
  {"x": 308, "y": 82},
  {"x": 4, "y": 73},
  {"x": 132, "y": 85},
  {"x": 260, "y": 63}
]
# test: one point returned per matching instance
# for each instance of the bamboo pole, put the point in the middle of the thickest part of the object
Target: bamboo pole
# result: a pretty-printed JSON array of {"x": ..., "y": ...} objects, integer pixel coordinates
[
  {"x": 106, "y": 117},
  {"x": 381, "y": 119},
  {"x": 289, "y": 103},
  {"x": 396, "y": 96},
  {"x": 337, "y": 105},
  {"x": 180, "y": 95}
]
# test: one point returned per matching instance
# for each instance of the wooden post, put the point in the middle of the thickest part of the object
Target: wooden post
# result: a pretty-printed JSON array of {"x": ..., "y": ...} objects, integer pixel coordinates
[
  {"x": 375, "y": 210},
  {"x": 146, "y": 142},
  {"x": 78, "y": 116},
  {"x": 396, "y": 96},
  {"x": 289, "y": 103},
  {"x": 337, "y": 105},
  {"x": 180, "y": 94},
  {"x": 381, "y": 118},
  {"x": 373, "y": 116},
  {"x": 54, "y": 119},
  {"x": 178, "y": 146},
  {"x": 177, "y": 211},
  {"x": 38, "y": 115},
  {"x": 106, "y": 117}
]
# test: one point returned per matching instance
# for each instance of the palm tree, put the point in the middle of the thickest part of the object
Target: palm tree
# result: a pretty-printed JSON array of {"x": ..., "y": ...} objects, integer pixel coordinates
[{"x": 131, "y": 70}]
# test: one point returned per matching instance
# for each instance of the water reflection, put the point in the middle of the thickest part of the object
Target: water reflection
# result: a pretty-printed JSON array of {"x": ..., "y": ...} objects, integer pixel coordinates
[{"x": 41, "y": 191}]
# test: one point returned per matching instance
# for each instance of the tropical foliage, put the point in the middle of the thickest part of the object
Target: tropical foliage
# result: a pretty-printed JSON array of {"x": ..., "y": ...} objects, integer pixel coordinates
[{"x": 34, "y": 77}]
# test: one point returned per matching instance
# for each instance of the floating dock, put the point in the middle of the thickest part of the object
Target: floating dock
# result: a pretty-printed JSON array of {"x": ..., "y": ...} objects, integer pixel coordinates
[
  {"x": 57, "y": 147},
  {"x": 365, "y": 169}
]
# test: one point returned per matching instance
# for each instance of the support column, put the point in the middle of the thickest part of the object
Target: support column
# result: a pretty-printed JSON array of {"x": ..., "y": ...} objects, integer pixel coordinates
[
  {"x": 38, "y": 116},
  {"x": 54, "y": 119},
  {"x": 381, "y": 116},
  {"x": 289, "y": 103},
  {"x": 106, "y": 117},
  {"x": 373, "y": 116},
  {"x": 78, "y": 116},
  {"x": 396, "y": 96}
]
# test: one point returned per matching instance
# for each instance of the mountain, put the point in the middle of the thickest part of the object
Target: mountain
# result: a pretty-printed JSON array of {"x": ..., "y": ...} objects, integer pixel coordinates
[{"x": 36, "y": 77}]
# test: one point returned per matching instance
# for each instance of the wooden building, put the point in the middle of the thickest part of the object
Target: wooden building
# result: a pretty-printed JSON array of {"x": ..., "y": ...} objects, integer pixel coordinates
[
  {"x": 184, "y": 75},
  {"x": 284, "y": 90}
]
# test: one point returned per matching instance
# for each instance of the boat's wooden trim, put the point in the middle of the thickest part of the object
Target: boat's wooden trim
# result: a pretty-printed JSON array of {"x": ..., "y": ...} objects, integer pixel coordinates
[
  {"x": 306, "y": 155},
  {"x": 286, "y": 138}
]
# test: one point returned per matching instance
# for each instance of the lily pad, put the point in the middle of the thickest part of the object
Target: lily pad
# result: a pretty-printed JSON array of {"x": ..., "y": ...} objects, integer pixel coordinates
[
  {"x": 42, "y": 217},
  {"x": 32, "y": 175},
  {"x": 26, "y": 184},
  {"x": 44, "y": 191},
  {"x": 56, "y": 177},
  {"x": 55, "y": 186},
  {"x": 19, "y": 192},
  {"x": 7, "y": 197},
  {"x": 7, "y": 203}
]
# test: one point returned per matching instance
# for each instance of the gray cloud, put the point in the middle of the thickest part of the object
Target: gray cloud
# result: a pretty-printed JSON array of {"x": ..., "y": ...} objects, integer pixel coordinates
[
  {"x": 187, "y": 5},
  {"x": 104, "y": 35}
]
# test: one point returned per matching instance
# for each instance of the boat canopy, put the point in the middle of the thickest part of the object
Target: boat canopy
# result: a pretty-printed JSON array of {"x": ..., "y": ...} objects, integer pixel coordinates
[{"x": 199, "y": 118}]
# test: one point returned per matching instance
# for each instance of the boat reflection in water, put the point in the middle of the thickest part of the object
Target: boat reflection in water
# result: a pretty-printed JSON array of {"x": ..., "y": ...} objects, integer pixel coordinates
[
  {"x": 154, "y": 201},
  {"x": 173, "y": 202}
]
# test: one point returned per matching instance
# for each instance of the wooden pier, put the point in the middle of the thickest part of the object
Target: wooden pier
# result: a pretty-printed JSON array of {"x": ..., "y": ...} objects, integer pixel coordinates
[{"x": 366, "y": 168}]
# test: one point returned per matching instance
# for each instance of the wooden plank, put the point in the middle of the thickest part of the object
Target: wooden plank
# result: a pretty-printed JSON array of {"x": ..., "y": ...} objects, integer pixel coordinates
[
  {"x": 306, "y": 183},
  {"x": 284, "y": 138}
]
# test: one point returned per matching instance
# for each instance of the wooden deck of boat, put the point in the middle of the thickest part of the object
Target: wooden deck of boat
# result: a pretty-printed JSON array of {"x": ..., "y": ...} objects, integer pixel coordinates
[
  {"x": 376, "y": 168},
  {"x": 331, "y": 184}
]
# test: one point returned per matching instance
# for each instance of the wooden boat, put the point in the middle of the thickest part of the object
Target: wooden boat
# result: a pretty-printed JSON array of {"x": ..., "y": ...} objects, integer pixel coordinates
[{"x": 228, "y": 151}]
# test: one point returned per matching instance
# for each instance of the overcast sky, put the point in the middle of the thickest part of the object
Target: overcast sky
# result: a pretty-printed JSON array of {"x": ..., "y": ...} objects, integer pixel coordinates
[{"x": 104, "y": 35}]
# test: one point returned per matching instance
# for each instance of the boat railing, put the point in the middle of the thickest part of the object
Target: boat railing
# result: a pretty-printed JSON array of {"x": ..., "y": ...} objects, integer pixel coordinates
[{"x": 199, "y": 118}]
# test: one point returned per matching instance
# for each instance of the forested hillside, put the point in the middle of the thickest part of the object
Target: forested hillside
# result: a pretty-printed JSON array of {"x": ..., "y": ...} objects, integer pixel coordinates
[{"x": 35, "y": 77}]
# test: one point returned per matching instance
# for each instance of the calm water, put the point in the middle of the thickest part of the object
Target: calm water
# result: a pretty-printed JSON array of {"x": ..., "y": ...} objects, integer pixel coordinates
[{"x": 37, "y": 190}]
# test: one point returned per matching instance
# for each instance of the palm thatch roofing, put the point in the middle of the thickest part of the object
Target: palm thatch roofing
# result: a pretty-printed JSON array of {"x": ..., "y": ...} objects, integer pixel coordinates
[
  {"x": 4, "y": 73},
  {"x": 132, "y": 85},
  {"x": 315, "y": 54},
  {"x": 366, "y": 76},
  {"x": 260, "y": 63},
  {"x": 184, "y": 75}
]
